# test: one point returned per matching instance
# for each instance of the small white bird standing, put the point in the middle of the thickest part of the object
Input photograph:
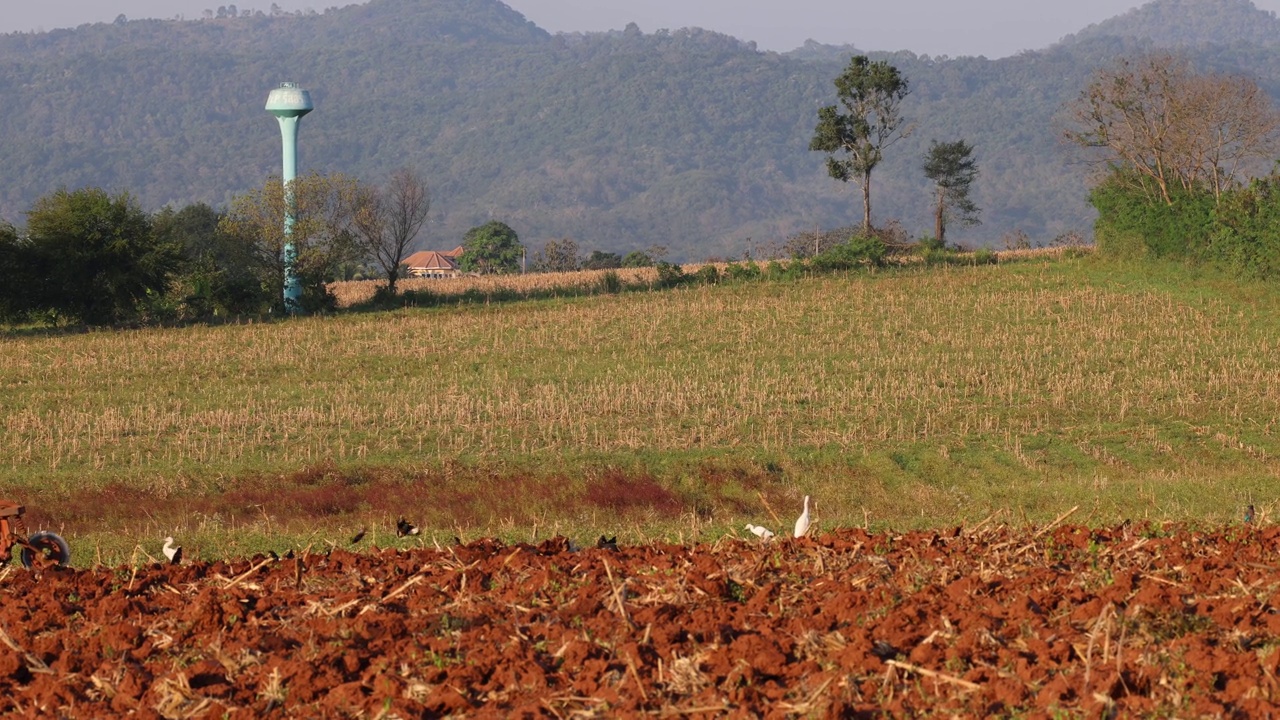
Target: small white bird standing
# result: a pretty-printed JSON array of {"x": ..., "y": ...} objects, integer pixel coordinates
[
  {"x": 761, "y": 532},
  {"x": 802, "y": 522},
  {"x": 173, "y": 552}
]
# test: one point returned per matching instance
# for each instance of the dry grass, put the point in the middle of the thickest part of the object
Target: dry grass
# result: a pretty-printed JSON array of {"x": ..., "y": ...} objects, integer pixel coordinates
[
  {"x": 841, "y": 362},
  {"x": 935, "y": 389},
  {"x": 354, "y": 292}
]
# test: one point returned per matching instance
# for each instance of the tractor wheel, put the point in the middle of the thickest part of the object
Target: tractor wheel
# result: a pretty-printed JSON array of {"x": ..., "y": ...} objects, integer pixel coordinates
[{"x": 51, "y": 547}]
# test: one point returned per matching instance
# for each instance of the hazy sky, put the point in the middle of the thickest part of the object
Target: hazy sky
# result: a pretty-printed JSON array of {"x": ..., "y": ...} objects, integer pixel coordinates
[{"x": 994, "y": 28}]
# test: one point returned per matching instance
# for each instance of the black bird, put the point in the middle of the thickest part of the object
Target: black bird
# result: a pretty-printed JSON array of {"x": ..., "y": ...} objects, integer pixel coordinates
[
  {"x": 404, "y": 527},
  {"x": 359, "y": 536},
  {"x": 605, "y": 543},
  {"x": 1248, "y": 515},
  {"x": 884, "y": 650}
]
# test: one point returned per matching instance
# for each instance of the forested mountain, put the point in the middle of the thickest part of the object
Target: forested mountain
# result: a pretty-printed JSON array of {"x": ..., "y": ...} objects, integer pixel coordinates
[
  {"x": 689, "y": 139},
  {"x": 1190, "y": 22}
]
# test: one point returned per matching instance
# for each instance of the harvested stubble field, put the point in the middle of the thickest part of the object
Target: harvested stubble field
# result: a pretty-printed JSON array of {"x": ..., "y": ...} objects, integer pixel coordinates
[
  {"x": 987, "y": 621},
  {"x": 912, "y": 397}
]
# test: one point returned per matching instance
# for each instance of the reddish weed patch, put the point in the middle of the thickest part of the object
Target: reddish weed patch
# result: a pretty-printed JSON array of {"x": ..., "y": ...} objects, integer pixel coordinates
[{"x": 617, "y": 492}]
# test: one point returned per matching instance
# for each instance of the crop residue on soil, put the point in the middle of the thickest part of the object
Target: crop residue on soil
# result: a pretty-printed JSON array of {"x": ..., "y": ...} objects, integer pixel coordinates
[{"x": 1132, "y": 619}]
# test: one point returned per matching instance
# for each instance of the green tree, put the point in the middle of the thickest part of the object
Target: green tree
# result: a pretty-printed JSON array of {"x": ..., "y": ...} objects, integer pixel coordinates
[
  {"x": 100, "y": 257},
  {"x": 220, "y": 273},
  {"x": 1132, "y": 224},
  {"x": 17, "y": 271},
  {"x": 644, "y": 258},
  {"x": 871, "y": 94},
  {"x": 599, "y": 260},
  {"x": 388, "y": 220},
  {"x": 636, "y": 259},
  {"x": 557, "y": 256},
  {"x": 492, "y": 248},
  {"x": 952, "y": 168},
  {"x": 323, "y": 232}
]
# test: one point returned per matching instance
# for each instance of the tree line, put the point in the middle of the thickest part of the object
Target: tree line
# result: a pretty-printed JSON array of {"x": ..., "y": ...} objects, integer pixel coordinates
[
  {"x": 1185, "y": 163},
  {"x": 1185, "y": 159},
  {"x": 95, "y": 258},
  {"x": 88, "y": 256}
]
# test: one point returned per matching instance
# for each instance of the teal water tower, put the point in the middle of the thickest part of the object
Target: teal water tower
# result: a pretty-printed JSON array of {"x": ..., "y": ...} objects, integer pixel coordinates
[{"x": 289, "y": 103}]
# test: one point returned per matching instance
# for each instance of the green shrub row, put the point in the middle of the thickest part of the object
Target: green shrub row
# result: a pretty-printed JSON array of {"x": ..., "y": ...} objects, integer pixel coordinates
[{"x": 1238, "y": 230}]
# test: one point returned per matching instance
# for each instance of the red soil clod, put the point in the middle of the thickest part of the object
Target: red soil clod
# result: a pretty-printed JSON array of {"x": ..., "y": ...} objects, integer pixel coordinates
[{"x": 1132, "y": 621}]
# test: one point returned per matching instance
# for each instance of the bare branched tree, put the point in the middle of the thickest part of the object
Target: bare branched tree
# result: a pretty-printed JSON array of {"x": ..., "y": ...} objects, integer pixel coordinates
[
  {"x": 808, "y": 243},
  {"x": 1176, "y": 128},
  {"x": 557, "y": 256},
  {"x": 1238, "y": 132},
  {"x": 388, "y": 220}
]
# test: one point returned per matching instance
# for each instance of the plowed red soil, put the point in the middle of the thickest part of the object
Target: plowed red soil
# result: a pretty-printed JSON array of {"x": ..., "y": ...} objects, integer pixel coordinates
[{"x": 1133, "y": 620}]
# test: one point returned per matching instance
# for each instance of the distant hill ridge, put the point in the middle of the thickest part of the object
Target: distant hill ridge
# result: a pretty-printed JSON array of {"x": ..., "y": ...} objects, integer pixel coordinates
[
  {"x": 690, "y": 139},
  {"x": 1190, "y": 22}
]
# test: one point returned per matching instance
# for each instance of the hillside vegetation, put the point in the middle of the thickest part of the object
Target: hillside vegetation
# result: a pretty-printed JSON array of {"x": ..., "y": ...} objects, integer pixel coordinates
[
  {"x": 689, "y": 139},
  {"x": 916, "y": 396}
]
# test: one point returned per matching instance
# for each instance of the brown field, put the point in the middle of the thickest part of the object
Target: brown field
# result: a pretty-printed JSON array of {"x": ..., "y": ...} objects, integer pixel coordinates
[
  {"x": 1060, "y": 621},
  {"x": 354, "y": 292}
]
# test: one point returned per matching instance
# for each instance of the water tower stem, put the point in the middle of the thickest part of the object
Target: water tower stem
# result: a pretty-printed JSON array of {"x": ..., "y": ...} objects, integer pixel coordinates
[{"x": 289, "y": 103}]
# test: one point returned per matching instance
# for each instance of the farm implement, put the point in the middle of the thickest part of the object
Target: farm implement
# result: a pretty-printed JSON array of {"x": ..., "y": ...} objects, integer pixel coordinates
[{"x": 41, "y": 549}]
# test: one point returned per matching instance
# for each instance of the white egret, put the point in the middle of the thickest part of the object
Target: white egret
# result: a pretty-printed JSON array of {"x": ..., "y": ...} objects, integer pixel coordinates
[
  {"x": 762, "y": 532},
  {"x": 802, "y": 522},
  {"x": 173, "y": 552}
]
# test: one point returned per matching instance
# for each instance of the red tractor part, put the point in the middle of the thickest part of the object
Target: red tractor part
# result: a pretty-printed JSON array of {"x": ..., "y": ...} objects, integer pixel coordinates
[{"x": 43, "y": 548}]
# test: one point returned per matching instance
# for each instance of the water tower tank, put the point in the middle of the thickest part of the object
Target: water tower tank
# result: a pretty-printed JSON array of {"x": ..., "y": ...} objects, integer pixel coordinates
[{"x": 289, "y": 101}]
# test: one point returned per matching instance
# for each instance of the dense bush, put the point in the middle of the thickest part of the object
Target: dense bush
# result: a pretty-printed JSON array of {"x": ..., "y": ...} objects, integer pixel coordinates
[
  {"x": 1239, "y": 231},
  {"x": 985, "y": 256},
  {"x": 957, "y": 256},
  {"x": 860, "y": 250},
  {"x": 777, "y": 271},
  {"x": 96, "y": 256},
  {"x": 670, "y": 274},
  {"x": 928, "y": 243},
  {"x": 220, "y": 274},
  {"x": 1246, "y": 233},
  {"x": 707, "y": 275},
  {"x": 610, "y": 283},
  {"x": 742, "y": 271},
  {"x": 637, "y": 258},
  {"x": 1134, "y": 223},
  {"x": 599, "y": 260}
]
